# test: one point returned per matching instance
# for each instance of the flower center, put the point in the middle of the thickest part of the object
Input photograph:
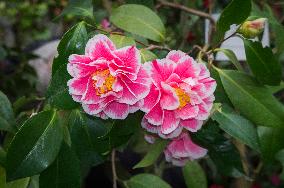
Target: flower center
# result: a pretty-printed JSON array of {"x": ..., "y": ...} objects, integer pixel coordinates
[
  {"x": 102, "y": 81},
  {"x": 183, "y": 98}
]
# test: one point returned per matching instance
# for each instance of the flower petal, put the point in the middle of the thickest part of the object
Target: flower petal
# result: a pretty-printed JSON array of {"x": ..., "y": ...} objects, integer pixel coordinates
[
  {"x": 175, "y": 56},
  {"x": 192, "y": 125},
  {"x": 151, "y": 99},
  {"x": 116, "y": 110},
  {"x": 187, "y": 67},
  {"x": 92, "y": 108},
  {"x": 155, "y": 115},
  {"x": 170, "y": 123},
  {"x": 188, "y": 111},
  {"x": 169, "y": 99},
  {"x": 77, "y": 86}
]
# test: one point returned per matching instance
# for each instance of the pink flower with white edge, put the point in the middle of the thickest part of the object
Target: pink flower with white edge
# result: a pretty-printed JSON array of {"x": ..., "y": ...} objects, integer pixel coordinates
[
  {"x": 181, "y": 95},
  {"x": 182, "y": 149},
  {"x": 108, "y": 82}
]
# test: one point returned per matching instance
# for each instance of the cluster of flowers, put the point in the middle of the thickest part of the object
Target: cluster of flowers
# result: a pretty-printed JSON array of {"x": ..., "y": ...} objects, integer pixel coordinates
[{"x": 176, "y": 93}]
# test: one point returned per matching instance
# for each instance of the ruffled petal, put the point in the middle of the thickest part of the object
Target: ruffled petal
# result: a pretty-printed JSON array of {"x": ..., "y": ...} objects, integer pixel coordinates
[
  {"x": 100, "y": 46},
  {"x": 116, "y": 110},
  {"x": 78, "y": 86},
  {"x": 151, "y": 99},
  {"x": 155, "y": 115},
  {"x": 170, "y": 123},
  {"x": 187, "y": 67},
  {"x": 187, "y": 112},
  {"x": 169, "y": 99},
  {"x": 175, "y": 56},
  {"x": 192, "y": 125}
]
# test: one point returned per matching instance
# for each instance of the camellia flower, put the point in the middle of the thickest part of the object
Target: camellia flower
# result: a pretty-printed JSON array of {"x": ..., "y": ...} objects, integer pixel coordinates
[
  {"x": 181, "y": 95},
  {"x": 109, "y": 82},
  {"x": 253, "y": 28},
  {"x": 182, "y": 149}
]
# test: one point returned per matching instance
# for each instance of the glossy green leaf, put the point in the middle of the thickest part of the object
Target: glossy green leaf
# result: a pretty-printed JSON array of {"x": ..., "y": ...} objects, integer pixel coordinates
[
  {"x": 194, "y": 175},
  {"x": 72, "y": 42},
  {"x": 2, "y": 156},
  {"x": 20, "y": 183},
  {"x": 147, "y": 55},
  {"x": 57, "y": 93},
  {"x": 146, "y": 181},
  {"x": 223, "y": 153},
  {"x": 35, "y": 146},
  {"x": 280, "y": 157},
  {"x": 64, "y": 172},
  {"x": 122, "y": 130},
  {"x": 232, "y": 57},
  {"x": 85, "y": 133},
  {"x": 122, "y": 41},
  {"x": 237, "y": 126},
  {"x": 154, "y": 152},
  {"x": 228, "y": 16},
  {"x": 252, "y": 99},
  {"x": 7, "y": 118},
  {"x": 140, "y": 20},
  {"x": 271, "y": 141},
  {"x": 263, "y": 63},
  {"x": 82, "y": 8}
]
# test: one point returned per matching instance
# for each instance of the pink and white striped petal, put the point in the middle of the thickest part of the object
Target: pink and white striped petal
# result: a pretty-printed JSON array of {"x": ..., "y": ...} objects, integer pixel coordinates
[{"x": 116, "y": 110}]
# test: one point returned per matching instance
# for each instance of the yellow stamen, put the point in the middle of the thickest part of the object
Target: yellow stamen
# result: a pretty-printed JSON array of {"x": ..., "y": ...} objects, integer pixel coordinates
[
  {"x": 108, "y": 82},
  {"x": 184, "y": 99}
]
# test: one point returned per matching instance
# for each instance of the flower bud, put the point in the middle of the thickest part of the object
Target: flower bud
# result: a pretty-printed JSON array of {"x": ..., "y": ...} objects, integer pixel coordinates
[{"x": 251, "y": 29}]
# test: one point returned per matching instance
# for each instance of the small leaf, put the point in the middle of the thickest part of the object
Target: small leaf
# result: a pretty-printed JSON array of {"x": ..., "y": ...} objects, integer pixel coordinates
[
  {"x": 252, "y": 99},
  {"x": 154, "y": 152},
  {"x": 147, "y": 55},
  {"x": 228, "y": 16},
  {"x": 232, "y": 57},
  {"x": 20, "y": 183},
  {"x": 194, "y": 175},
  {"x": 82, "y": 8},
  {"x": 35, "y": 146},
  {"x": 271, "y": 141},
  {"x": 122, "y": 41},
  {"x": 237, "y": 126},
  {"x": 64, "y": 171},
  {"x": 140, "y": 20},
  {"x": 146, "y": 181},
  {"x": 263, "y": 63}
]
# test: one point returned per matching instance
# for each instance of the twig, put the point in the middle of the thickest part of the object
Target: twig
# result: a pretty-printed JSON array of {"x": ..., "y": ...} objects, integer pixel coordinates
[
  {"x": 189, "y": 10},
  {"x": 114, "y": 175},
  {"x": 217, "y": 45},
  {"x": 152, "y": 47}
]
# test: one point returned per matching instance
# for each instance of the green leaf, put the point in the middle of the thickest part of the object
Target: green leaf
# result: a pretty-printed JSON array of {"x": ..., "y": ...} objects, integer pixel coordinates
[
  {"x": 194, "y": 175},
  {"x": 64, "y": 172},
  {"x": 263, "y": 63},
  {"x": 252, "y": 99},
  {"x": 147, "y": 55},
  {"x": 35, "y": 146},
  {"x": 228, "y": 16},
  {"x": 271, "y": 141},
  {"x": 85, "y": 133},
  {"x": 139, "y": 20},
  {"x": 122, "y": 130},
  {"x": 82, "y": 8},
  {"x": 57, "y": 93},
  {"x": 146, "y": 181},
  {"x": 223, "y": 153},
  {"x": 154, "y": 152},
  {"x": 232, "y": 57},
  {"x": 7, "y": 118},
  {"x": 122, "y": 41},
  {"x": 237, "y": 126},
  {"x": 72, "y": 42},
  {"x": 20, "y": 183},
  {"x": 2, "y": 156}
]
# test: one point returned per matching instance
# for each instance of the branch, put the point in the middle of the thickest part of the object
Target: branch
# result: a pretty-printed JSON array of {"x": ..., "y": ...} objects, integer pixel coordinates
[
  {"x": 152, "y": 47},
  {"x": 189, "y": 10},
  {"x": 114, "y": 175}
]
